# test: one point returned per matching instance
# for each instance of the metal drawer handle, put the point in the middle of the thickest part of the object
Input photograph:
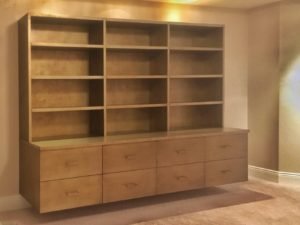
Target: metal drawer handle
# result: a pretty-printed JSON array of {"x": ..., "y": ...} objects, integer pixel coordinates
[
  {"x": 72, "y": 163},
  {"x": 130, "y": 156},
  {"x": 225, "y": 171},
  {"x": 72, "y": 193},
  {"x": 181, "y": 178},
  {"x": 180, "y": 151},
  {"x": 225, "y": 146},
  {"x": 130, "y": 185}
]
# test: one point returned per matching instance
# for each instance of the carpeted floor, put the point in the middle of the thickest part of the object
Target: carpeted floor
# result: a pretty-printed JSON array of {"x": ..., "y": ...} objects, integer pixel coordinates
[{"x": 249, "y": 203}]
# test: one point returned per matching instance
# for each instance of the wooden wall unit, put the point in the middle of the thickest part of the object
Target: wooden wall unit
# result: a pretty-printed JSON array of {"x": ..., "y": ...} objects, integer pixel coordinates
[{"x": 116, "y": 109}]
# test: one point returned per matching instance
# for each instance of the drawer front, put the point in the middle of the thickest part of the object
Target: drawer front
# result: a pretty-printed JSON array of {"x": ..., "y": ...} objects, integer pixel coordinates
[
  {"x": 126, "y": 157},
  {"x": 128, "y": 185},
  {"x": 180, "y": 178},
  {"x": 226, "y": 172},
  {"x": 226, "y": 147},
  {"x": 180, "y": 151},
  {"x": 70, "y": 163},
  {"x": 70, "y": 193}
]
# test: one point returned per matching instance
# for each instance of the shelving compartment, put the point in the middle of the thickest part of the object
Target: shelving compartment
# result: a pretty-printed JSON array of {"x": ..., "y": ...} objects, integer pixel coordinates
[
  {"x": 195, "y": 117},
  {"x": 196, "y": 62},
  {"x": 65, "y": 125},
  {"x": 122, "y": 62},
  {"x": 136, "y": 91},
  {"x": 196, "y": 90},
  {"x": 136, "y": 34},
  {"x": 66, "y": 31},
  {"x": 134, "y": 121},
  {"x": 66, "y": 62},
  {"x": 196, "y": 36},
  {"x": 66, "y": 93}
]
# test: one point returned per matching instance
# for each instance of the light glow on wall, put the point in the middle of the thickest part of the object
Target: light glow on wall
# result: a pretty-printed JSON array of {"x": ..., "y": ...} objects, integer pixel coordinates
[
  {"x": 173, "y": 14},
  {"x": 291, "y": 88}
]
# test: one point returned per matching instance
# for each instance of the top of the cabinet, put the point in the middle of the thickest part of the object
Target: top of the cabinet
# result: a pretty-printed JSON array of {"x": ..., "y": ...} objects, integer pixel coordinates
[{"x": 129, "y": 138}]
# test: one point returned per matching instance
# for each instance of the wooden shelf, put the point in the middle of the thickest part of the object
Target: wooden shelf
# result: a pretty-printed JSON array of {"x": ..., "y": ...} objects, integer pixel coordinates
[
  {"x": 196, "y": 103},
  {"x": 134, "y": 47},
  {"x": 195, "y": 76},
  {"x": 69, "y": 109},
  {"x": 63, "y": 45},
  {"x": 55, "y": 77},
  {"x": 112, "y": 77},
  {"x": 127, "y": 138},
  {"x": 197, "y": 49},
  {"x": 136, "y": 106}
]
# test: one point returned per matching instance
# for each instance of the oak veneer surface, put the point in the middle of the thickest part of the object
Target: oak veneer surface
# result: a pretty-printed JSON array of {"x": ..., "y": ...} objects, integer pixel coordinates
[
  {"x": 180, "y": 178},
  {"x": 117, "y": 110},
  {"x": 64, "y": 164},
  {"x": 119, "y": 33},
  {"x": 70, "y": 193},
  {"x": 181, "y": 151},
  {"x": 128, "y": 185}
]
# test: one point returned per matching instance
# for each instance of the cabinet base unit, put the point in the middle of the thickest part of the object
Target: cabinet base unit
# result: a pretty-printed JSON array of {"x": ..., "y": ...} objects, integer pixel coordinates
[{"x": 65, "y": 174}]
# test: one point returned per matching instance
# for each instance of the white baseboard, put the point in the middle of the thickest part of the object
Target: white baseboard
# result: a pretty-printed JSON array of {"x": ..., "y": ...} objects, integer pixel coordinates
[
  {"x": 13, "y": 202},
  {"x": 274, "y": 176}
]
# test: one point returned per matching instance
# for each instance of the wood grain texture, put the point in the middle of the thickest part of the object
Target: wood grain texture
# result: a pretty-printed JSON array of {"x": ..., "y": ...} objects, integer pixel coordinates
[
  {"x": 70, "y": 193},
  {"x": 128, "y": 185},
  {"x": 24, "y": 78},
  {"x": 120, "y": 33},
  {"x": 173, "y": 152},
  {"x": 196, "y": 36},
  {"x": 226, "y": 172},
  {"x": 195, "y": 117},
  {"x": 68, "y": 163},
  {"x": 30, "y": 173},
  {"x": 138, "y": 91},
  {"x": 126, "y": 157},
  {"x": 226, "y": 147},
  {"x": 180, "y": 178}
]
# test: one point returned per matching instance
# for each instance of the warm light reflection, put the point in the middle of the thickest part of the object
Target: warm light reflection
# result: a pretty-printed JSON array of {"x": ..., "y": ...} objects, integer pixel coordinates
[
  {"x": 173, "y": 14},
  {"x": 291, "y": 87}
]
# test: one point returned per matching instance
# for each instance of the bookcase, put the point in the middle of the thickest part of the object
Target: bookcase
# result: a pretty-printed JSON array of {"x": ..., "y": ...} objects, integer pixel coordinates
[{"x": 103, "y": 87}]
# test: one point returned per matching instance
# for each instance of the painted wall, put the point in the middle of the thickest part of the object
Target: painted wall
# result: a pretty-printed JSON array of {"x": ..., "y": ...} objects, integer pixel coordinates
[
  {"x": 236, "y": 58},
  {"x": 289, "y": 142},
  {"x": 263, "y": 86}
]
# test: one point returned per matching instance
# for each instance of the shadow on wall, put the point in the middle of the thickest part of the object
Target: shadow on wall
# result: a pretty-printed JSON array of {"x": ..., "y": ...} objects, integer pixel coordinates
[{"x": 10, "y": 111}]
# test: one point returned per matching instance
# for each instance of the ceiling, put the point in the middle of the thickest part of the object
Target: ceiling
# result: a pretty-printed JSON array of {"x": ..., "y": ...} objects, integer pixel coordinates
[{"x": 237, "y": 4}]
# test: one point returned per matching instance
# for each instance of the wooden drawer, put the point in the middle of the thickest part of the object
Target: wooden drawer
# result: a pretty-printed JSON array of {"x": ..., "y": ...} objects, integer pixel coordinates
[
  {"x": 128, "y": 185},
  {"x": 70, "y": 163},
  {"x": 226, "y": 172},
  {"x": 180, "y": 151},
  {"x": 226, "y": 147},
  {"x": 180, "y": 178},
  {"x": 126, "y": 157},
  {"x": 70, "y": 193}
]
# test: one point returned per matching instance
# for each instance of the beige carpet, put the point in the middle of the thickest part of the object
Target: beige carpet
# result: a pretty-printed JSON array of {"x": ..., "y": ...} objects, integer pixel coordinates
[{"x": 249, "y": 203}]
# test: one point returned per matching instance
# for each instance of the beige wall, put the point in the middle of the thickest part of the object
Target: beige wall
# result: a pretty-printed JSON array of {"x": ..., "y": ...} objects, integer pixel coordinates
[
  {"x": 236, "y": 58},
  {"x": 263, "y": 86},
  {"x": 289, "y": 142}
]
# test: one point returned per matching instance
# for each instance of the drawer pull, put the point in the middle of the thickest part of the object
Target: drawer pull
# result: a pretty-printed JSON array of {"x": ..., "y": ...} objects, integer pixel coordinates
[
  {"x": 225, "y": 171},
  {"x": 72, "y": 193},
  {"x": 181, "y": 178},
  {"x": 180, "y": 151},
  {"x": 130, "y": 185},
  {"x": 225, "y": 146},
  {"x": 73, "y": 163},
  {"x": 130, "y": 156}
]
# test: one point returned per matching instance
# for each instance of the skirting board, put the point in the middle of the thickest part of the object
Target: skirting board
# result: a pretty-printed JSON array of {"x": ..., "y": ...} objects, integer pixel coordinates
[
  {"x": 274, "y": 176},
  {"x": 13, "y": 202}
]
